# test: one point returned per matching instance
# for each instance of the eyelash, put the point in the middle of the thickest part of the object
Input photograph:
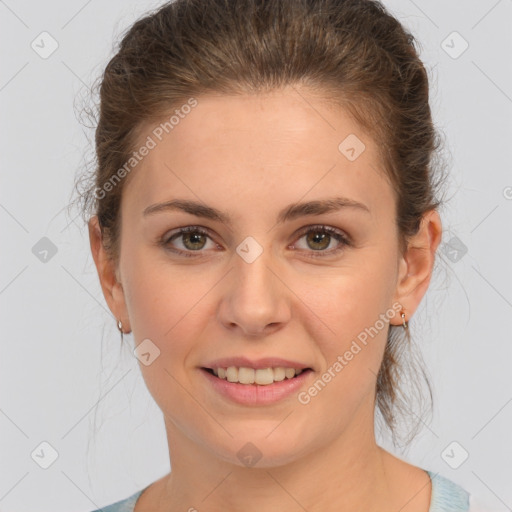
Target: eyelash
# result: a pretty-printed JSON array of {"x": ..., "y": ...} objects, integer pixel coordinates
[{"x": 343, "y": 240}]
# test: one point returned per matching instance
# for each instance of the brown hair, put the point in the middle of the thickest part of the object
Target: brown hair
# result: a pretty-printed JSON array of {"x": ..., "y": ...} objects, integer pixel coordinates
[{"x": 353, "y": 52}]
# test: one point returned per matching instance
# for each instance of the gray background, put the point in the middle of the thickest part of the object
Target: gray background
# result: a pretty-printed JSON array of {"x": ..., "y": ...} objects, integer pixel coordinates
[{"x": 63, "y": 377}]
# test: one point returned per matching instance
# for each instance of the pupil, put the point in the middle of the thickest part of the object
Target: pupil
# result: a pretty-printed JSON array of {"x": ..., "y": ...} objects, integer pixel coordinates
[
  {"x": 195, "y": 238},
  {"x": 319, "y": 237}
]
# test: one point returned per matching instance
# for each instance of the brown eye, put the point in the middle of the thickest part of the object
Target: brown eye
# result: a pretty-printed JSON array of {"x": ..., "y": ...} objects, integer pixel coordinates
[
  {"x": 192, "y": 238},
  {"x": 319, "y": 239},
  {"x": 193, "y": 241}
]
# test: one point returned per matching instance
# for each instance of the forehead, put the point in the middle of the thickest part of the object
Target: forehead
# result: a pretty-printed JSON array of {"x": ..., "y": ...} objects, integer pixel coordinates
[{"x": 274, "y": 147}]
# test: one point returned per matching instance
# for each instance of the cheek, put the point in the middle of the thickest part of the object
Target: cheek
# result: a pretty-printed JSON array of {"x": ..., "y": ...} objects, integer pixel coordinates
[
  {"x": 352, "y": 310},
  {"x": 346, "y": 303},
  {"x": 167, "y": 304},
  {"x": 352, "y": 346},
  {"x": 155, "y": 293}
]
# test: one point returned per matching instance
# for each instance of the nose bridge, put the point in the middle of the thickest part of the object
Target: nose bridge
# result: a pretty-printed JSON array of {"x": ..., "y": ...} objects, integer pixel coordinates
[
  {"x": 253, "y": 278},
  {"x": 255, "y": 297}
]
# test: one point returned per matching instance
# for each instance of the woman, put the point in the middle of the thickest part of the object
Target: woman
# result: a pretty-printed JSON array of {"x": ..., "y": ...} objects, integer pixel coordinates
[{"x": 265, "y": 224}]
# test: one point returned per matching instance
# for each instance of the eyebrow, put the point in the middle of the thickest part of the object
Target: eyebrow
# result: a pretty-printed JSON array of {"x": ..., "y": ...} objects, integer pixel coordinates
[{"x": 291, "y": 212}]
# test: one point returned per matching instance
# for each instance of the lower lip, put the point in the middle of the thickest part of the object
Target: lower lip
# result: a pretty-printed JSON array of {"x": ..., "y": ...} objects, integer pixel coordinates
[{"x": 255, "y": 394}]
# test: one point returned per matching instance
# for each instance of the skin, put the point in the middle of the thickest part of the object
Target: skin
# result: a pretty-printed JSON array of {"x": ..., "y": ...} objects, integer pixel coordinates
[{"x": 250, "y": 156}]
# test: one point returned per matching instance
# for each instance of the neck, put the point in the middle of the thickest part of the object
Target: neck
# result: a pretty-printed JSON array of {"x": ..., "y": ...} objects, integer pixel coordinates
[{"x": 346, "y": 474}]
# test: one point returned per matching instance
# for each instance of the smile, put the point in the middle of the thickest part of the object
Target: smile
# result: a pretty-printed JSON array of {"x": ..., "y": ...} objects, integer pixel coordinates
[
  {"x": 256, "y": 386},
  {"x": 260, "y": 376}
]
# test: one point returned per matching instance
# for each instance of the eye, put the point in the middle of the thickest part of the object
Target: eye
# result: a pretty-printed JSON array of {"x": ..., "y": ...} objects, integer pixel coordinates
[
  {"x": 193, "y": 239},
  {"x": 318, "y": 238}
]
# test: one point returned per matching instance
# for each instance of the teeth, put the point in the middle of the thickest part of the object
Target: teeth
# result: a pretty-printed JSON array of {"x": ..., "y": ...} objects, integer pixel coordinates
[
  {"x": 261, "y": 376},
  {"x": 289, "y": 373},
  {"x": 247, "y": 375},
  {"x": 232, "y": 374},
  {"x": 279, "y": 374}
]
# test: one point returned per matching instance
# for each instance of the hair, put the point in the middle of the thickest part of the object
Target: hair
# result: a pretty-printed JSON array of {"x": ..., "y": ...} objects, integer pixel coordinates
[{"x": 350, "y": 52}]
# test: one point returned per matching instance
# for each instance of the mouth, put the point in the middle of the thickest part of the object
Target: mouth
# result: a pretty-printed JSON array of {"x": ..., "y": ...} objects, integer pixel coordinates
[{"x": 256, "y": 376}]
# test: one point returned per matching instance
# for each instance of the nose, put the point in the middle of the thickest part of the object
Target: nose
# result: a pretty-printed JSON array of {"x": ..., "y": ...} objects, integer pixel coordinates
[{"x": 255, "y": 300}]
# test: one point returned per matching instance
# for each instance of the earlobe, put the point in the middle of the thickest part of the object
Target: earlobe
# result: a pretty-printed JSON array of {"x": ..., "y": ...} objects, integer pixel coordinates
[{"x": 416, "y": 265}]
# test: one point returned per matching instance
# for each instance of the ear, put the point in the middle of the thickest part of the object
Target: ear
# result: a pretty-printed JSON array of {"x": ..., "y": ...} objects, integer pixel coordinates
[
  {"x": 416, "y": 265},
  {"x": 108, "y": 275}
]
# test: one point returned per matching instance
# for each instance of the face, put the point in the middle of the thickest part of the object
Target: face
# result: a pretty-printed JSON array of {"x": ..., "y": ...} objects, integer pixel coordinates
[{"x": 260, "y": 278}]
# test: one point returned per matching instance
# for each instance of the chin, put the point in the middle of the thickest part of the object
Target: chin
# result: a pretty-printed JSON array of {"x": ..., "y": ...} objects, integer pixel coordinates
[{"x": 262, "y": 450}]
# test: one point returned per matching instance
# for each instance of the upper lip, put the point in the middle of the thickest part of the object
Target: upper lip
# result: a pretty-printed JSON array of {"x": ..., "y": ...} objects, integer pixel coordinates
[{"x": 264, "y": 362}]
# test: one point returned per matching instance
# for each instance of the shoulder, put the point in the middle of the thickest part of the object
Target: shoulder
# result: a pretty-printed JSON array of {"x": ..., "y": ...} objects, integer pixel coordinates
[
  {"x": 451, "y": 497},
  {"x": 126, "y": 505},
  {"x": 447, "y": 495}
]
